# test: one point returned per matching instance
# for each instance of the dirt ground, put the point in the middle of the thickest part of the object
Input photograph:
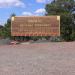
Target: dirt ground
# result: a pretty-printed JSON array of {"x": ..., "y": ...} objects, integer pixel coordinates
[{"x": 38, "y": 59}]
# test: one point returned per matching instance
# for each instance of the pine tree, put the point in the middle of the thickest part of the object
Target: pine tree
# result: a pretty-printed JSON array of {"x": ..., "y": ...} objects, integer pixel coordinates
[{"x": 64, "y": 8}]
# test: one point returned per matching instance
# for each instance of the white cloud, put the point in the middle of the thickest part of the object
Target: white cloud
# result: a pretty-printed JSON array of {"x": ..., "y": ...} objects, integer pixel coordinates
[
  {"x": 38, "y": 12},
  {"x": 41, "y": 10},
  {"x": 43, "y": 1},
  {"x": 40, "y": 1},
  {"x": 27, "y": 13},
  {"x": 9, "y": 3}
]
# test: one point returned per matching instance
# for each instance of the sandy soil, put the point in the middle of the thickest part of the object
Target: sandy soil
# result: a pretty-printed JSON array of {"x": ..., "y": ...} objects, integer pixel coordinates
[{"x": 38, "y": 59}]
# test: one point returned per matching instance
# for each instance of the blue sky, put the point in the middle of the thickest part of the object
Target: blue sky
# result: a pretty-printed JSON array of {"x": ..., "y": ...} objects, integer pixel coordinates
[{"x": 21, "y": 8}]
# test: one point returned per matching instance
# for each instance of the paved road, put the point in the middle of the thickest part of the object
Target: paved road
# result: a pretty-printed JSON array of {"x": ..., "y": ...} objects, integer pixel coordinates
[{"x": 38, "y": 59}]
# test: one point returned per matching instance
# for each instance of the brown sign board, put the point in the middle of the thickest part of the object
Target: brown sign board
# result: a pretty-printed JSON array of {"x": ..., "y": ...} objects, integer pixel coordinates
[{"x": 35, "y": 26}]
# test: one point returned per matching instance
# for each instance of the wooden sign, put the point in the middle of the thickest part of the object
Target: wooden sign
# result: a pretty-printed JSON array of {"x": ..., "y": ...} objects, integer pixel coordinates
[{"x": 35, "y": 26}]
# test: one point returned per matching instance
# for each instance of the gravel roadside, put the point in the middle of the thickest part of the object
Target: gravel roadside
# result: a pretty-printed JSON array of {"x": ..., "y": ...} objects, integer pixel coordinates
[{"x": 38, "y": 59}]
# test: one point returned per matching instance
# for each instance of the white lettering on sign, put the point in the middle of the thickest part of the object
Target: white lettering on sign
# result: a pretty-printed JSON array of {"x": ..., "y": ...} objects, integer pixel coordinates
[{"x": 34, "y": 21}]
